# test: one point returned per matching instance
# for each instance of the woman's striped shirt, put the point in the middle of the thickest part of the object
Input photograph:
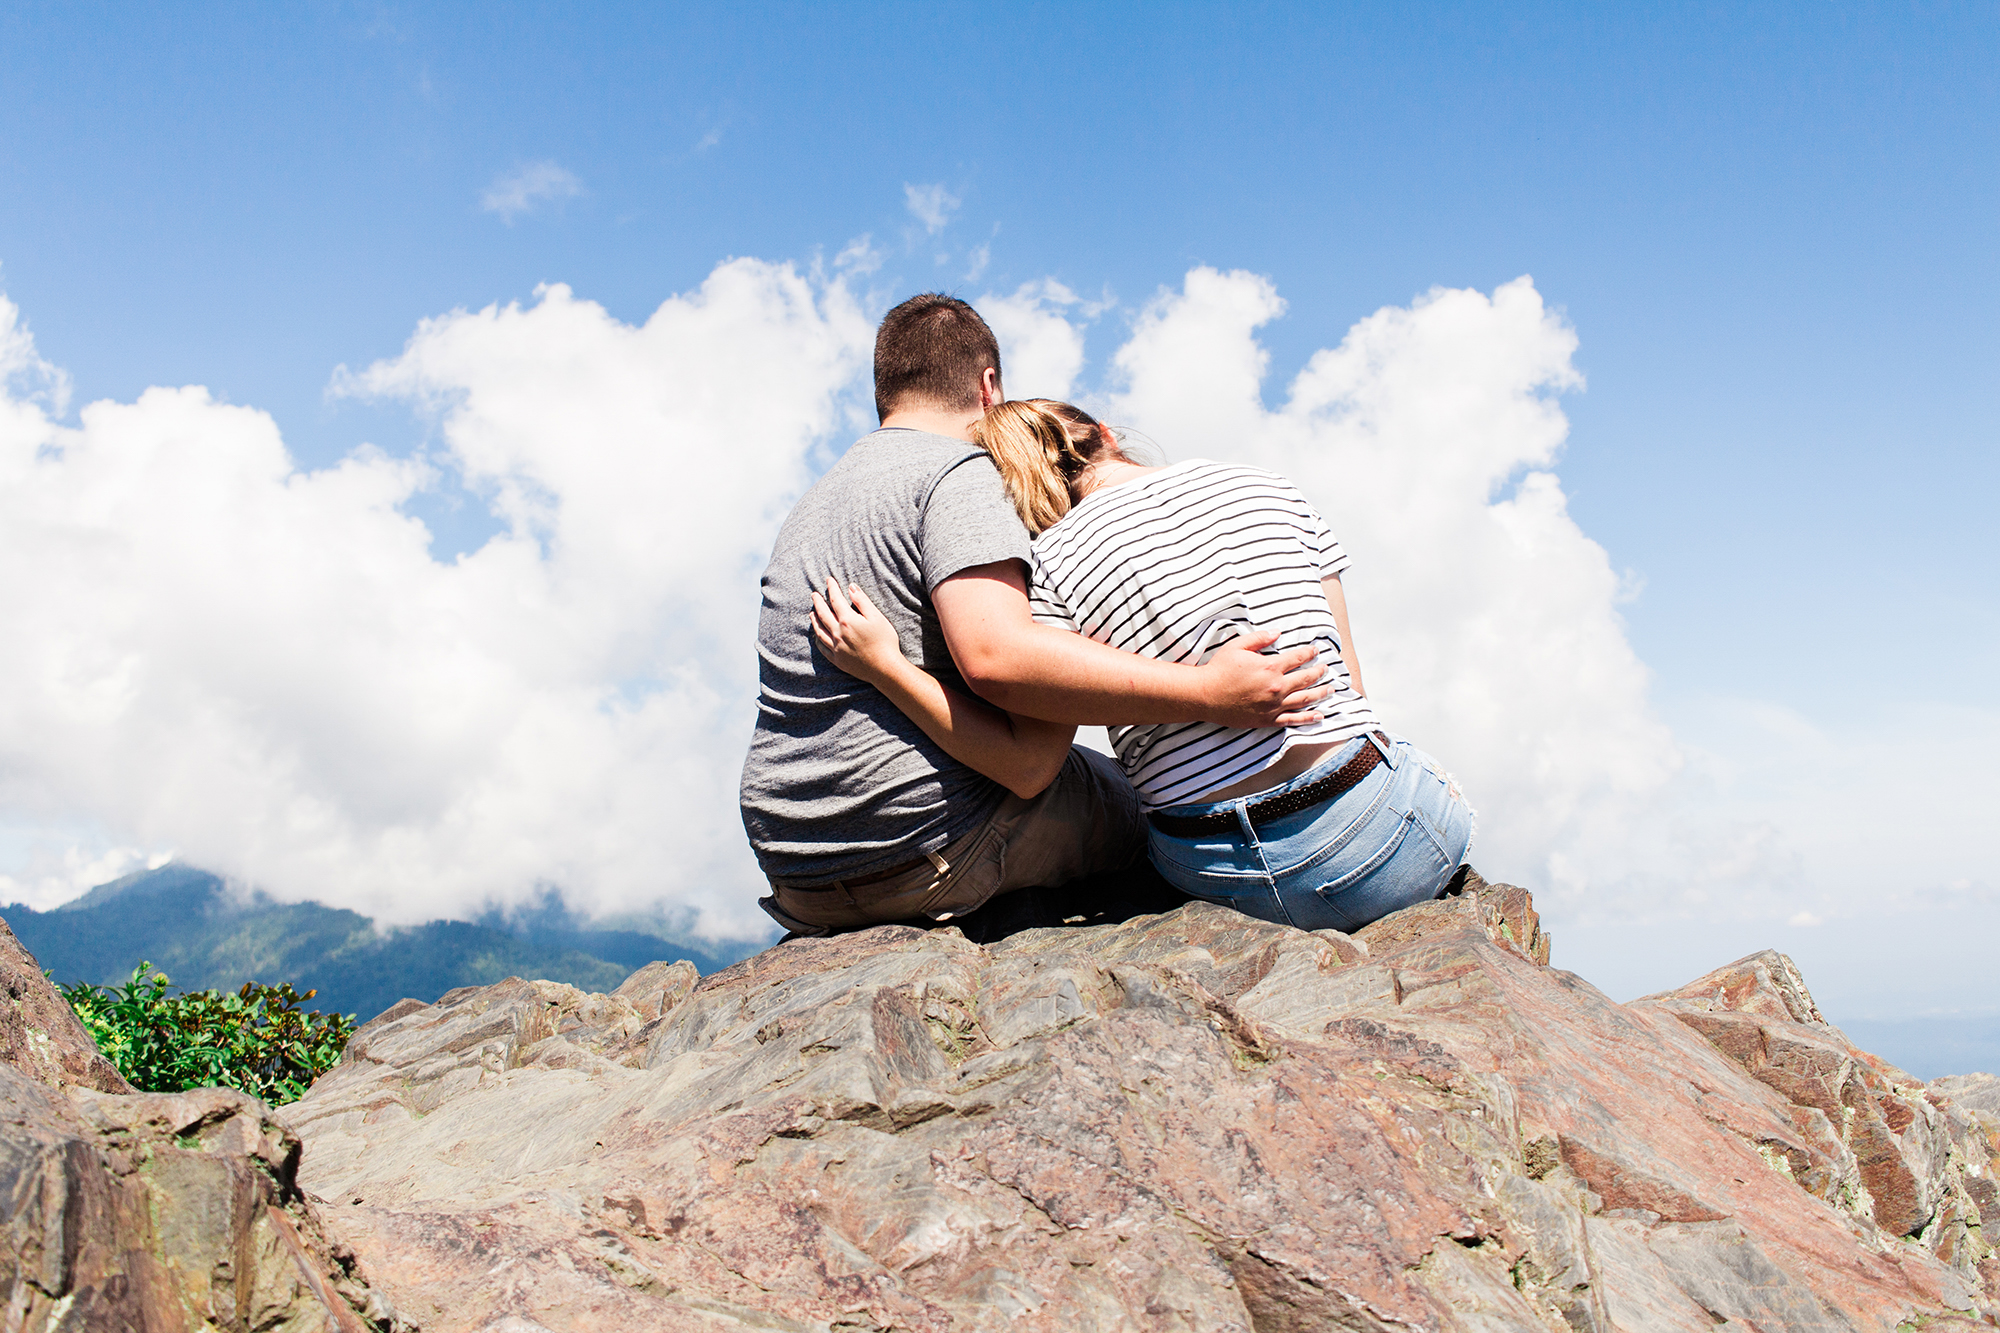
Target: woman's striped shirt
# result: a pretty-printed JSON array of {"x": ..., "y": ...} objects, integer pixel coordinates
[{"x": 1178, "y": 563}]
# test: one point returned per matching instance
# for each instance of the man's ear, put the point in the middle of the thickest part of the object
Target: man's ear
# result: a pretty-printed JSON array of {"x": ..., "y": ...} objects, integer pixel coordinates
[{"x": 990, "y": 393}]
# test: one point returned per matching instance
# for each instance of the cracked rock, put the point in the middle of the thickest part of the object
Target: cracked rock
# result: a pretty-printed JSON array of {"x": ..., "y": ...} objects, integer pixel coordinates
[{"x": 1186, "y": 1121}]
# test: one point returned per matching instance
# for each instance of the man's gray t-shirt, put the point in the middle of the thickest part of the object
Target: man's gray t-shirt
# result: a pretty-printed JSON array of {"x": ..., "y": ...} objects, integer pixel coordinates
[{"x": 838, "y": 783}]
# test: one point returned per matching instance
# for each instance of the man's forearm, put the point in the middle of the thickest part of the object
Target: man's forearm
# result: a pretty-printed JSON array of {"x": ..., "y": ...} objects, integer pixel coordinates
[
  {"x": 1064, "y": 677},
  {"x": 1038, "y": 671}
]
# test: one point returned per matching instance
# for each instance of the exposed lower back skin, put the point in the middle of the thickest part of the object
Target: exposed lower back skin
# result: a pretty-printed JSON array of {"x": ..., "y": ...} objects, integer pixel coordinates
[{"x": 1290, "y": 764}]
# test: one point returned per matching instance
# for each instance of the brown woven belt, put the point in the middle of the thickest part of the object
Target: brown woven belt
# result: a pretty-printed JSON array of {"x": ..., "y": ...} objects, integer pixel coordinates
[{"x": 1275, "y": 807}]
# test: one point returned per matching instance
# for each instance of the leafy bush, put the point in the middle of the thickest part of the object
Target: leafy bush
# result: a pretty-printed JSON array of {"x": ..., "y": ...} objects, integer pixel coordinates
[{"x": 258, "y": 1039}]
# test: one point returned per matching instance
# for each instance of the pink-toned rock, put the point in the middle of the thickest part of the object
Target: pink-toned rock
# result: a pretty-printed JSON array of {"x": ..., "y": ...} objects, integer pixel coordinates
[
  {"x": 1190, "y": 1121},
  {"x": 1920, "y": 1166},
  {"x": 1505, "y": 911},
  {"x": 658, "y": 987},
  {"x": 150, "y": 1212}
]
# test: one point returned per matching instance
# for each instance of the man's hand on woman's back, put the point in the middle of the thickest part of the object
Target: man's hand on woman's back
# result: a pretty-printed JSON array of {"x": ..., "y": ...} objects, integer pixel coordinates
[{"x": 1252, "y": 688}]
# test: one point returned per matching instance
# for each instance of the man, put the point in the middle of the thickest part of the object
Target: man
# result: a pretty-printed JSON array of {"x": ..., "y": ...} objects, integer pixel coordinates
[{"x": 856, "y": 816}]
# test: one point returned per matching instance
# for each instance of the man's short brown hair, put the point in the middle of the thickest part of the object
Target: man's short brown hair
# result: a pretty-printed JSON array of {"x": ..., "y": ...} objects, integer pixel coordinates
[{"x": 934, "y": 349}]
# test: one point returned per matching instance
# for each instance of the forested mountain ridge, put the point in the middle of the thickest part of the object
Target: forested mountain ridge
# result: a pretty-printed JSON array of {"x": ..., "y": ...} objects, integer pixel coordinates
[{"x": 190, "y": 925}]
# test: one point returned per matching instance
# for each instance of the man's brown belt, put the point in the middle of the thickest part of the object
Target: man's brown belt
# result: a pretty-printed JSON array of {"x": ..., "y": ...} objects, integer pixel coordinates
[{"x": 1275, "y": 807}]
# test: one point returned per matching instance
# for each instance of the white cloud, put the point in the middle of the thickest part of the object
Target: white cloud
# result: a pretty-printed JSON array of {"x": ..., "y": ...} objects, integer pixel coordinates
[
  {"x": 931, "y": 205},
  {"x": 526, "y": 187},
  {"x": 1490, "y": 631},
  {"x": 1041, "y": 351},
  {"x": 213, "y": 650},
  {"x": 1873, "y": 821},
  {"x": 24, "y": 376},
  {"x": 264, "y": 668},
  {"x": 1486, "y": 620},
  {"x": 50, "y": 866},
  {"x": 859, "y": 257},
  {"x": 980, "y": 256}
]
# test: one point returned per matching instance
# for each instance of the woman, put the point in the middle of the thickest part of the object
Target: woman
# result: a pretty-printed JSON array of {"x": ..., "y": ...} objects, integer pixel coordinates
[{"x": 1330, "y": 824}]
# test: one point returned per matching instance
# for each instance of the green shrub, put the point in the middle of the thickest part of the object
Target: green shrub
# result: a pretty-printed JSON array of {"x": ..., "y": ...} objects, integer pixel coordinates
[{"x": 258, "y": 1039}]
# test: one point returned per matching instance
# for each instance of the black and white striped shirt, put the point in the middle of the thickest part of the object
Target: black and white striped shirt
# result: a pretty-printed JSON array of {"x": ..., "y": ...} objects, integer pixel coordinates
[{"x": 1176, "y": 564}]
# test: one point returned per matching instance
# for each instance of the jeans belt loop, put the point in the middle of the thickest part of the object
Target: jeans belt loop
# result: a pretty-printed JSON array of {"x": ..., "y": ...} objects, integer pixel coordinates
[
  {"x": 1381, "y": 742},
  {"x": 1240, "y": 807}
]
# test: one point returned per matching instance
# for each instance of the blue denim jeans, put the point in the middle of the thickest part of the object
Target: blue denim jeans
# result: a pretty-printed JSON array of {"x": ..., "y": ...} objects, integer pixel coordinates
[{"x": 1393, "y": 839}]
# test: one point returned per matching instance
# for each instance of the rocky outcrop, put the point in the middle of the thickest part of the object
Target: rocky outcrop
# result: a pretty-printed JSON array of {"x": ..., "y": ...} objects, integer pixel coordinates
[
  {"x": 39, "y": 1033},
  {"x": 1185, "y": 1121},
  {"x": 1977, "y": 1093},
  {"x": 151, "y": 1213},
  {"x": 1880, "y": 1144}
]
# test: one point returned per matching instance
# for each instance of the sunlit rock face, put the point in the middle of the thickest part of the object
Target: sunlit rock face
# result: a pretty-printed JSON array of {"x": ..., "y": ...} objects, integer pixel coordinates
[
  {"x": 166, "y": 1213},
  {"x": 1885, "y": 1147},
  {"x": 1193, "y": 1120}
]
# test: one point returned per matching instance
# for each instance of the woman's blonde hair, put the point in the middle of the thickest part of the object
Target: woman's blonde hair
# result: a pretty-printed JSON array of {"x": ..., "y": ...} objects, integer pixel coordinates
[{"x": 1040, "y": 446}]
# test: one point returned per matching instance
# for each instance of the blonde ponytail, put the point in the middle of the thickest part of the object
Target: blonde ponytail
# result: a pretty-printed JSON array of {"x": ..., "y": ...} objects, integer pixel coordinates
[{"x": 1040, "y": 446}]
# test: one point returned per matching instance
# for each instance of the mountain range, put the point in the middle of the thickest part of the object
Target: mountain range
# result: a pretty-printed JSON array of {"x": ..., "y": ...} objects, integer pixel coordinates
[{"x": 191, "y": 925}]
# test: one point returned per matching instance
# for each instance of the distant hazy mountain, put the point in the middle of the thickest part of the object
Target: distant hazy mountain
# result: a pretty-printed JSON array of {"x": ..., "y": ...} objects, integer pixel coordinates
[{"x": 194, "y": 930}]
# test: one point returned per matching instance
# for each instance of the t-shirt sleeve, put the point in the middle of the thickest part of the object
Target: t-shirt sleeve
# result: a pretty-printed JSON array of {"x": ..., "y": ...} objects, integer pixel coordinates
[
  {"x": 969, "y": 521},
  {"x": 1045, "y": 604},
  {"x": 1333, "y": 556}
]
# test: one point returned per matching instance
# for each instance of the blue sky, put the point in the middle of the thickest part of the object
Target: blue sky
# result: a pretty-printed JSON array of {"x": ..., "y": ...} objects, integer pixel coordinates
[{"x": 1772, "y": 228}]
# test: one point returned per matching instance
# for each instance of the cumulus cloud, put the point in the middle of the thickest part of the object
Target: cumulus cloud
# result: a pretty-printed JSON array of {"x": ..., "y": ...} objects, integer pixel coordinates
[
  {"x": 1041, "y": 349},
  {"x": 24, "y": 375},
  {"x": 264, "y": 668},
  {"x": 52, "y": 865},
  {"x": 527, "y": 187},
  {"x": 859, "y": 257},
  {"x": 1490, "y": 630},
  {"x": 932, "y": 205},
  {"x": 1486, "y": 619}
]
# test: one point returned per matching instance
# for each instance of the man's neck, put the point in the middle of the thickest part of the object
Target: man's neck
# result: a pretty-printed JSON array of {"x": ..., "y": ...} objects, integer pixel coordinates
[{"x": 956, "y": 425}]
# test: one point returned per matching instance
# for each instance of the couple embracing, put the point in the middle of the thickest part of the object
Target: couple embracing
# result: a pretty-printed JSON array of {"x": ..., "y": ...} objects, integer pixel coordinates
[{"x": 978, "y": 577}]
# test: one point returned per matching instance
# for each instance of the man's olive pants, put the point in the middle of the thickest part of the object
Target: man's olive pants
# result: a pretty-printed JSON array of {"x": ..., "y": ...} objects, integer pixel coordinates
[{"x": 1085, "y": 823}]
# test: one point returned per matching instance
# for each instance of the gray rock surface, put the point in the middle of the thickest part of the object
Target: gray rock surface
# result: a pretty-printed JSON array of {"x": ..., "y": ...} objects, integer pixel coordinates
[
  {"x": 1188, "y": 1121},
  {"x": 1975, "y": 1092},
  {"x": 132, "y": 1212}
]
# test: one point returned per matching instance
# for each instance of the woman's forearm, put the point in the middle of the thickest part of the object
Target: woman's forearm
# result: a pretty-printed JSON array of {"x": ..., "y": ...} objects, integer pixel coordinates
[
  {"x": 1021, "y": 754},
  {"x": 1336, "y": 602}
]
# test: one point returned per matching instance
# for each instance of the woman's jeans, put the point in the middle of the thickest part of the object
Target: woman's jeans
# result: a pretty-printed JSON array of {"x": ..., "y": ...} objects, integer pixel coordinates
[{"x": 1392, "y": 839}]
